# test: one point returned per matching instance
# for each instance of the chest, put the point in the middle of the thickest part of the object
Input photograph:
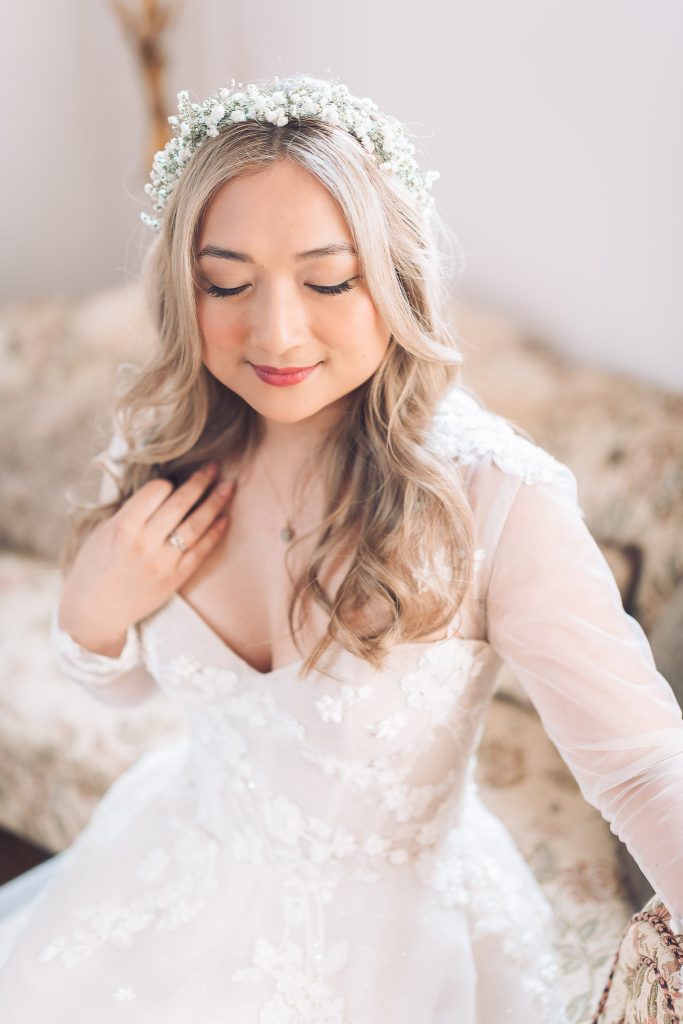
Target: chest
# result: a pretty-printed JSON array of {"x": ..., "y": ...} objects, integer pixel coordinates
[{"x": 242, "y": 589}]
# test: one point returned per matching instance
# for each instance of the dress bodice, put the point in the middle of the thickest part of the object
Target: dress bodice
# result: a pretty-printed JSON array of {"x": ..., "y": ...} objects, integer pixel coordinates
[{"x": 394, "y": 748}]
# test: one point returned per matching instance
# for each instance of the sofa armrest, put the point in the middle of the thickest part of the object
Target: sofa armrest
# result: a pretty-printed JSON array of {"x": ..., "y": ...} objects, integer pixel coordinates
[{"x": 645, "y": 981}]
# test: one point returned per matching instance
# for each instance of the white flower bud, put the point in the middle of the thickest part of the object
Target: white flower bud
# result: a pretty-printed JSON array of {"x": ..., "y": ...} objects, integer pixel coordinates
[{"x": 379, "y": 134}]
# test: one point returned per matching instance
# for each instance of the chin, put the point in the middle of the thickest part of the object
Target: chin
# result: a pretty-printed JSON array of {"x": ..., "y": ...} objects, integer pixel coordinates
[
  {"x": 282, "y": 407},
  {"x": 296, "y": 413}
]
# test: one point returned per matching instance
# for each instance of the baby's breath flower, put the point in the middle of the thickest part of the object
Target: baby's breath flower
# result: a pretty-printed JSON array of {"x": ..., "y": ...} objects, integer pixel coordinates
[{"x": 278, "y": 103}]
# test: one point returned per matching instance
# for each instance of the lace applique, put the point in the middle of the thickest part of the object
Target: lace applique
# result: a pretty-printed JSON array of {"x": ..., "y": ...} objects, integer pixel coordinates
[
  {"x": 389, "y": 728},
  {"x": 438, "y": 679},
  {"x": 332, "y": 708},
  {"x": 218, "y": 688},
  {"x": 300, "y": 972},
  {"x": 438, "y": 569},
  {"x": 177, "y": 883},
  {"x": 315, "y": 841},
  {"x": 404, "y": 801},
  {"x": 433, "y": 687},
  {"x": 466, "y": 430},
  {"x": 477, "y": 867},
  {"x": 373, "y": 774},
  {"x": 124, "y": 995},
  {"x": 210, "y": 682},
  {"x": 228, "y": 785}
]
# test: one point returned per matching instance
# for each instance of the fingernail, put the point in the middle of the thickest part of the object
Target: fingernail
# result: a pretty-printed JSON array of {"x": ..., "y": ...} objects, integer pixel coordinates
[
  {"x": 225, "y": 486},
  {"x": 210, "y": 468}
]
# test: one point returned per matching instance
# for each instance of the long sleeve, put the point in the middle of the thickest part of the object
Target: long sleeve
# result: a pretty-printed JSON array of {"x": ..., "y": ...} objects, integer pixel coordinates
[
  {"x": 124, "y": 680},
  {"x": 554, "y": 614}
]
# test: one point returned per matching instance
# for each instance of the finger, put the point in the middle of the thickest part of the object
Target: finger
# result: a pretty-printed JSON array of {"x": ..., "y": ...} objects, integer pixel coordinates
[
  {"x": 137, "y": 509},
  {"x": 193, "y": 558},
  {"x": 198, "y": 522},
  {"x": 177, "y": 504}
]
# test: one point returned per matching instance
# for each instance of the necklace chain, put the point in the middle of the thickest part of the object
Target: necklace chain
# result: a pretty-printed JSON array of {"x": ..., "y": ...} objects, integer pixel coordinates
[{"x": 287, "y": 532}]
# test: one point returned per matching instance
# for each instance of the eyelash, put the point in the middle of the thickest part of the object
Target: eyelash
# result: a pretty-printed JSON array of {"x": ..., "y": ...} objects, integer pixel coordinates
[{"x": 334, "y": 289}]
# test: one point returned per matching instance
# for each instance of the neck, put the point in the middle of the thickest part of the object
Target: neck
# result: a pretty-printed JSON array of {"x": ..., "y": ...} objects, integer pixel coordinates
[{"x": 289, "y": 444}]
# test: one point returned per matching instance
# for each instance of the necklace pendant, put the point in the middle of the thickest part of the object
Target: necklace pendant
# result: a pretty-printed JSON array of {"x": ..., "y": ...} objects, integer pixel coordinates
[{"x": 287, "y": 533}]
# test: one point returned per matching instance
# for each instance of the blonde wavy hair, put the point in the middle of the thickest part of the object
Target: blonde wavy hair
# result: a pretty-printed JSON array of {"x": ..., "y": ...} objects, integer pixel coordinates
[{"x": 390, "y": 500}]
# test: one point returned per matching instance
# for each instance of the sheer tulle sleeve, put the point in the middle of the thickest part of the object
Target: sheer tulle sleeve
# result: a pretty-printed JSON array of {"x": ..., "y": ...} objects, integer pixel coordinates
[
  {"x": 554, "y": 614},
  {"x": 122, "y": 680}
]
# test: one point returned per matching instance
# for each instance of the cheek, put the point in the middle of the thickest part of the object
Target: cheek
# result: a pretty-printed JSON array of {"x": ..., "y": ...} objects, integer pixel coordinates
[
  {"x": 370, "y": 326},
  {"x": 361, "y": 320},
  {"x": 219, "y": 330}
]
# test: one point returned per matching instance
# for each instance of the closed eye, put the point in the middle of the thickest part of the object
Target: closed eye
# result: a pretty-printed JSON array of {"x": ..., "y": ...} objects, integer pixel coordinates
[
  {"x": 333, "y": 289},
  {"x": 213, "y": 289}
]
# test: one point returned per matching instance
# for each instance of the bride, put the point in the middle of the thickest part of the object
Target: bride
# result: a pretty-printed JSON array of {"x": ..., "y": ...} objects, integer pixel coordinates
[{"x": 315, "y": 539}]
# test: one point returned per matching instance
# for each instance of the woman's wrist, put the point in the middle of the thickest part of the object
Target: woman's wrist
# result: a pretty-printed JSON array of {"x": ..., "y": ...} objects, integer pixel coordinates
[{"x": 92, "y": 639}]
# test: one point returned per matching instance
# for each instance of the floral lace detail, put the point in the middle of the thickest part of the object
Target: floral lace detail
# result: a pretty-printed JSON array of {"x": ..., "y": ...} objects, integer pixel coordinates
[
  {"x": 176, "y": 882},
  {"x": 438, "y": 569},
  {"x": 236, "y": 807},
  {"x": 332, "y": 708},
  {"x": 217, "y": 688},
  {"x": 385, "y": 776},
  {"x": 124, "y": 995},
  {"x": 234, "y": 801},
  {"x": 477, "y": 867},
  {"x": 464, "y": 428},
  {"x": 312, "y": 840},
  {"x": 208, "y": 680},
  {"x": 376, "y": 774},
  {"x": 302, "y": 994},
  {"x": 438, "y": 679},
  {"x": 389, "y": 728}
]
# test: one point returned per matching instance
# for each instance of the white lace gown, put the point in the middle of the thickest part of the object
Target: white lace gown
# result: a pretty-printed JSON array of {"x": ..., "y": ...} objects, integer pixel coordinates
[{"x": 315, "y": 850}]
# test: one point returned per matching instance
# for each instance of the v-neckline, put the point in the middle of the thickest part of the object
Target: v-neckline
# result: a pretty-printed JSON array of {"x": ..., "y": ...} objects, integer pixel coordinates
[
  {"x": 274, "y": 672},
  {"x": 194, "y": 614}
]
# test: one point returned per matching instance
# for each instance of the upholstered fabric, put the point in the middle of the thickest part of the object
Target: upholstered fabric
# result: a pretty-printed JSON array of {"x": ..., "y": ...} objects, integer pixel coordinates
[{"x": 645, "y": 983}]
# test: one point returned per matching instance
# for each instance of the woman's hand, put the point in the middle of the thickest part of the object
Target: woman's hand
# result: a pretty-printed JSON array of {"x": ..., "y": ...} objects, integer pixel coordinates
[{"x": 127, "y": 567}]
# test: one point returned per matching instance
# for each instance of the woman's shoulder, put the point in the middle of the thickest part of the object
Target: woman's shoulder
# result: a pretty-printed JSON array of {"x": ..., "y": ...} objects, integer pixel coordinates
[{"x": 463, "y": 429}]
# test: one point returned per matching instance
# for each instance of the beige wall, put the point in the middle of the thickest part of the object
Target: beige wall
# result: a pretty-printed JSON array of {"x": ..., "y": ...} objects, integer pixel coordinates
[{"x": 554, "y": 125}]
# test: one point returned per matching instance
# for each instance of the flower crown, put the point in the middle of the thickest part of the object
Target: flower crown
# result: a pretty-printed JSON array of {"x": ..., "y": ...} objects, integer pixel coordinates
[{"x": 278, "y": 102}]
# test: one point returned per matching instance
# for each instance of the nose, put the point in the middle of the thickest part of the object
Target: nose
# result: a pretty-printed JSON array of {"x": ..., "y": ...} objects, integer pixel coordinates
[{"x": 278, "y": 321}]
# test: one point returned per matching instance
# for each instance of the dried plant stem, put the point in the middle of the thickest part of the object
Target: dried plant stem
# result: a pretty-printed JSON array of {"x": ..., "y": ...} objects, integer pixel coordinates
[{"x": 145, "y": 28}]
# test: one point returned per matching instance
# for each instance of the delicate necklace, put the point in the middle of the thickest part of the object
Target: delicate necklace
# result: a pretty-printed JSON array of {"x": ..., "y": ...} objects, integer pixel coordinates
[{"x": 287, "y": 532}]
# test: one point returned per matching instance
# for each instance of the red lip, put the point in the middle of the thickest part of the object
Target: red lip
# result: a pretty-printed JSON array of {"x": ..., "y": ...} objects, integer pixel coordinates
[{"x": 284, "y": 376}]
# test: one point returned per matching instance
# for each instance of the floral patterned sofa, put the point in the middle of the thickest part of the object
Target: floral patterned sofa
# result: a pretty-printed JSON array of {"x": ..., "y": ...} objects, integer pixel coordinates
[{"x": 60, "y": 749}]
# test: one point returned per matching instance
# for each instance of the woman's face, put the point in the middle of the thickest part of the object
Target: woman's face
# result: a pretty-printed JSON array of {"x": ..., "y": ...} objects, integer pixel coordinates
[{"x": 279, "y": 287}]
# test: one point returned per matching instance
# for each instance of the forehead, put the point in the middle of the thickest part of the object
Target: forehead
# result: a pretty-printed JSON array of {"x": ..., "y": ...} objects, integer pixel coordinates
[{"x": 282, "y": 204}]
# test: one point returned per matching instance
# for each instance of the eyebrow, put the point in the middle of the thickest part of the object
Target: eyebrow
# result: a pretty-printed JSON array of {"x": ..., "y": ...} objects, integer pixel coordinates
[{"x": 242, "y": 257}]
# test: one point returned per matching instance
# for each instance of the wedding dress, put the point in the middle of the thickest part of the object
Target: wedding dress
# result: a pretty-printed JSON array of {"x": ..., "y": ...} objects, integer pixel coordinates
[{"x": 315, "y": 850}]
